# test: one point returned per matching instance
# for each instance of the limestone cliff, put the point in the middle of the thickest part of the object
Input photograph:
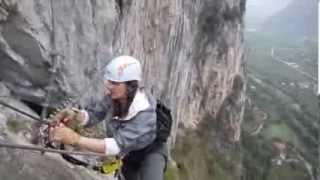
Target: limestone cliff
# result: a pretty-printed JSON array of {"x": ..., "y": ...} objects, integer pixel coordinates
[{"x": 192, "y": 56}]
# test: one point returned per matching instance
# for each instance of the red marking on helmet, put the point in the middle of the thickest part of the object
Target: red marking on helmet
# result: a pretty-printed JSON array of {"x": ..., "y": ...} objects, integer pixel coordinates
[{"x": 122, "y": 67}]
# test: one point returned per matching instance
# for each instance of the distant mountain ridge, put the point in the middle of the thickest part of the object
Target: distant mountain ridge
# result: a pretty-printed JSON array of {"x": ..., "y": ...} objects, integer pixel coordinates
[
  {"x": 298, "y": 19},
  {"x": 258, "y": 11}
]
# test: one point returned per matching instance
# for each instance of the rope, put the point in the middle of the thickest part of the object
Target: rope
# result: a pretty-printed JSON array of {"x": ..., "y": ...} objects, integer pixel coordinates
[
  {"x": 40, "y": 149},
  {"x": 22, "y": 112}
]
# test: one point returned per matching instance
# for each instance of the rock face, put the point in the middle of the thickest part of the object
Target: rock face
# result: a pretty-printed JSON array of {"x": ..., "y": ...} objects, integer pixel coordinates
[
  {"x": 27, "y": 165},
  {"x": 18, "y": 165},
  {"x": 192, "y": 56},
  {"x": 56, "y": 44}
]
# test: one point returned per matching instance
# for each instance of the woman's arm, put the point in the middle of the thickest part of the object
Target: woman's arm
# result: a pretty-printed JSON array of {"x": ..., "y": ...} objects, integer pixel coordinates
[
  {"x": 65, "y": 135},
  {"x": 107, "y": 146},
  {"x": 92, "y": 144}
]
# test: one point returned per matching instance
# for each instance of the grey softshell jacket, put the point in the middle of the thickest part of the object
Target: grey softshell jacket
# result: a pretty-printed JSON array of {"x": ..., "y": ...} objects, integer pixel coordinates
[{"x": 133, "y": 134}]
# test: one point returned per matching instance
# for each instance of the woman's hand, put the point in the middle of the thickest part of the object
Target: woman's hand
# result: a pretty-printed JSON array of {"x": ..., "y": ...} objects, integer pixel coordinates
[
  {"x": 63, "y": 134},
  {"x": 69, "y": 117}
]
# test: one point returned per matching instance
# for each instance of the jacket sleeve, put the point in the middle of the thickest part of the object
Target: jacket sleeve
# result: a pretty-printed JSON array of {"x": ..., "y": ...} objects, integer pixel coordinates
[
  {"x": 137, "y": 133},
  {"x": 97, "y": 111}
]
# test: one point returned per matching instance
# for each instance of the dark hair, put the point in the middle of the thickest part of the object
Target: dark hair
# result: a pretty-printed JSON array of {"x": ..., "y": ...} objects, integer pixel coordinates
[{"x": 121, "y": 110}]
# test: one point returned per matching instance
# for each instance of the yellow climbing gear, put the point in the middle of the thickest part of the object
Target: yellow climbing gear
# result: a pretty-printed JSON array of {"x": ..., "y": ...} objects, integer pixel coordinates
[{"x": 112, "y": 166}]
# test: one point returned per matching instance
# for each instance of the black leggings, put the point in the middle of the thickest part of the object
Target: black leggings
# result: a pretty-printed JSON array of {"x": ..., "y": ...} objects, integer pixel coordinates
[{"x": 152, "y": 168}]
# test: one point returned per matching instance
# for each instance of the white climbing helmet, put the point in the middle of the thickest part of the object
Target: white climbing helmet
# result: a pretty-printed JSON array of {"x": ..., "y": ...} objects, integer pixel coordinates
[{"x": 122, "y": 69}]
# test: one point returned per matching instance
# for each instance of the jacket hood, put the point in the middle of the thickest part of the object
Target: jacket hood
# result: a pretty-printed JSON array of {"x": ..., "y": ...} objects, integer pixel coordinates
[{"x": 141, "y": 102}]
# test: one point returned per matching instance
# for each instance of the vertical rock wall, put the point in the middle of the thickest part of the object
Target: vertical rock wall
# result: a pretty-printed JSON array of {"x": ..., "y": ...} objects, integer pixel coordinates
[{"x": 192, "y": 52}]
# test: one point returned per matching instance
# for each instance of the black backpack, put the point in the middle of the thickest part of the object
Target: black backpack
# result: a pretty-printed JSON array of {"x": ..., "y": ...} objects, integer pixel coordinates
[{"x": 164, "y": 122}]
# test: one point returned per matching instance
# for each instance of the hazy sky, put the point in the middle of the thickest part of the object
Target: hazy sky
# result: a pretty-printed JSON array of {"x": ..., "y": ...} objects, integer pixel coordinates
[{"x": 258, "y": 10}]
